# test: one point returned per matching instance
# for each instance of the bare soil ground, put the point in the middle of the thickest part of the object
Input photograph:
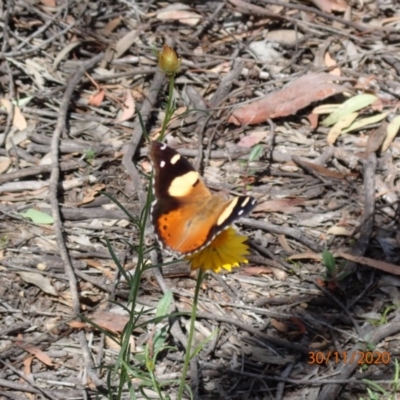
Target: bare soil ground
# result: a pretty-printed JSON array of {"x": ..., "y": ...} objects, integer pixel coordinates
[{"x": 74, "y": 75}]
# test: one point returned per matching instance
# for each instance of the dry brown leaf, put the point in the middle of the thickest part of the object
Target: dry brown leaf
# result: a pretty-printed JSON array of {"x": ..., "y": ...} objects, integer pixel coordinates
[
  {"x": 285, "y": 244},
  {"x": 313, "y": 119},
  {"x": 279, "y": 274},
  {"x": 146, "y": 165},
  {"x": 128, "y": 110},
  {"x": 376, "y": 138},
  {"x": 330, "y": 62},
  {"x": 97, "y": 264},
  {"x": 319, "y": 345},
  {"x": 90, "y": 194},
  {"x": 299, "y": 324},
  {"x": 323, "y": 5},
  {"x": 287, "y": 36},
  {"x": 97, "y": 98},
  {"x": 5, "y": 163},
  {"x": 19, "y": 120},
  {"x": 179, "y": 12},
  {"x": 322, "y": 171},
  {"x": 381, "y": 265},
  {"x": 42, "y": 282},
  {"x": 112, "y": 25},
  {"x": 330, "y": 5},
  {"x": 125, "y": 43},
  {"x": 30, "y": 396},
  {"x": 222, "y": 68},
  {"x": 306, "y": 256},
  {"x": 49, "y": 3},
  {"x": 279, "y": 326},
  {"x": 39, "y": 354},
  {"x": 339, "y": 231},
  {"x": 64, "y": 52},
  {"x": 392, "y": 130},
  {"x": 296, "y": 95},
  {"x": 364, "y": 83},
  {"x": 27, "y": 365},
  {"x": 283, "y": 205},
  {"x": 377, "y": 105},
  {"x": 252, "y": 139},
  {"x": 252, "y": 271},
  {"x": 111, "y": 321},
  {"x": 339, "y": 5},
  {"x": 77, "y": 324},
  {"x": 111, "y": 344}
]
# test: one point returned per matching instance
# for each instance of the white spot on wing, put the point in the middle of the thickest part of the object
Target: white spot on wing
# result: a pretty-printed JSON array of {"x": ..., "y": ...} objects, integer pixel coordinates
[
  {"x": 175, "y": 159},
  {"x": 162, "y": 164}
]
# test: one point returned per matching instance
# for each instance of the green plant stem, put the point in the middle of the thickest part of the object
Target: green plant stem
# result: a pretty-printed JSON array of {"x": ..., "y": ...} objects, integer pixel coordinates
[
  {"x": 188, "y": 353},
  {"x": 122, "y": 364},
  {"x": 156, "y": 386},
  {"x": 169, "y": 109}
]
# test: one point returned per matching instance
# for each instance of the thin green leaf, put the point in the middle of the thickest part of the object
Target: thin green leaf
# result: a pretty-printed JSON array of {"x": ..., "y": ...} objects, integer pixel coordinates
[
  {"x": 159, "y": 319},
  {"x": 142, "y": 125},
  {"x": 329, "y": 261},
  {"x": 132, "y": 218},
  {"x": 117, "y": 263},
  {"x": 164, "y": 304},
  {"x": 376, "y": 386},
  {"x": 203, "y": 343},
  {"x": 159, "y": 340}
]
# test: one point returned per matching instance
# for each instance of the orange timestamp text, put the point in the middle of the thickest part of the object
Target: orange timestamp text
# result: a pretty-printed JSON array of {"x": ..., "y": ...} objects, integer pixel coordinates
[{"x": 359, "y": 357}]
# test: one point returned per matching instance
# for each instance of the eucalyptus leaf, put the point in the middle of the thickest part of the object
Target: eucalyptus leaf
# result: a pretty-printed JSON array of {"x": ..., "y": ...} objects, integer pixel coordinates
[
  {"x": 338, "y": 128},
  {"x": 351, "y": 105},
  {"x": 325, "y": 109},
  {"x": 23, "y": 102},
  {"x": 38, "y": 217},
  {"x": 42, "y": 282},
  {"x": 361, "y": 123},
  {"x": 256, "y": 153}
]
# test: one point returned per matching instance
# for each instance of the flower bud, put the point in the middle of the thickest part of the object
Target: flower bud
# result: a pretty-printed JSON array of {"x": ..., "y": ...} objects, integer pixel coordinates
[{"x": 168, "y": 61}]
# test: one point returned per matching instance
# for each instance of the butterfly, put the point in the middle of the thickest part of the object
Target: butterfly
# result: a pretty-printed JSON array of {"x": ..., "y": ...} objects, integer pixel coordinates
[{"x": 185, "y": 215}]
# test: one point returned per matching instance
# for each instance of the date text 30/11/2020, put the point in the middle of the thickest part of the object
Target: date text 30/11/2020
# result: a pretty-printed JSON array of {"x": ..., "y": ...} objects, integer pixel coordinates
[{"x": 359, "y": 357}]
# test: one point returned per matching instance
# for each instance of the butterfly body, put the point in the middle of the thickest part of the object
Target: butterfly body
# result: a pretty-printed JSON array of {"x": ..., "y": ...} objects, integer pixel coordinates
[{"x": 186, "y": 216}]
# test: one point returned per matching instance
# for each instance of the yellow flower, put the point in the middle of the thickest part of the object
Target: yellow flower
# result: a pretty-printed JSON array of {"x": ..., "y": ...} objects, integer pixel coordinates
[
  {"x": 168, "y": 61},
  {"x": 227, "y": 250}
]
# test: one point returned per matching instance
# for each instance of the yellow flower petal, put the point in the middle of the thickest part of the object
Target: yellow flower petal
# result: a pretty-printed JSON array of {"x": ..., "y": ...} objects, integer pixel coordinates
[{"x": 226, "y": 251}]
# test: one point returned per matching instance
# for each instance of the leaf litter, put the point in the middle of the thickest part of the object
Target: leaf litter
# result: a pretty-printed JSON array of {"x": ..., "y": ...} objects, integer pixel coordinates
[{"x": 313, "y": 179}]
